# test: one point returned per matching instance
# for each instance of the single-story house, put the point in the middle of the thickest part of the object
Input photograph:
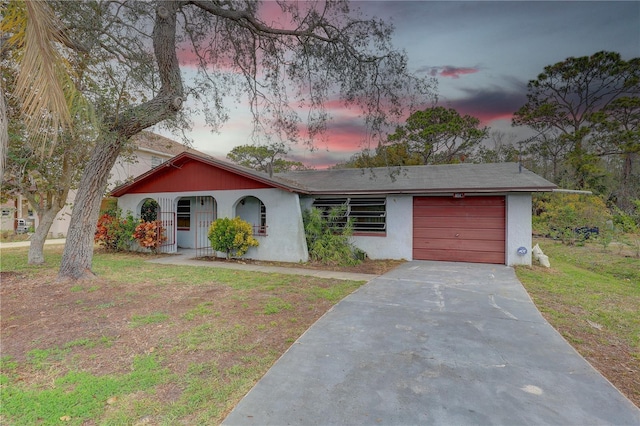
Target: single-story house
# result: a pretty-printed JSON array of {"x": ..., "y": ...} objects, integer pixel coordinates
[{"x": 458, "y": 212}]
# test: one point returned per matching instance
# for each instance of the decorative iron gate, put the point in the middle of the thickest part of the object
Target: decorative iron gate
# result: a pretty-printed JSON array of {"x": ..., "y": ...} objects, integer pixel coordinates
[
  {"x": 205, "y": 214},
  {"x": 167, "y": 216}
]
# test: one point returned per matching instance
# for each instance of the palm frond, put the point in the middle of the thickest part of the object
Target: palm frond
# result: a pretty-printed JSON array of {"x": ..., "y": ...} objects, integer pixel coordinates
[{"x": 44, "y": 84}]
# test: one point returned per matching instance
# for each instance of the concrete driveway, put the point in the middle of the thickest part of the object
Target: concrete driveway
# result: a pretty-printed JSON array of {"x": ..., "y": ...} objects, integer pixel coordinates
[{"x": 434, "y": 343}]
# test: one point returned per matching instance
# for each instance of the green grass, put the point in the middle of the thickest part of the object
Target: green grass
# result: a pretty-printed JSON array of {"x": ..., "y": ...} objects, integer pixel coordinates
[
  {"x": 46, "y": 383},
  {"x": 200, "y": 310},
  {"x": 154, "y": 318},
  {"x": 588, "y": 290},
  {"x": 276, "y": 305},
  {"x": 77, "y": 395}
]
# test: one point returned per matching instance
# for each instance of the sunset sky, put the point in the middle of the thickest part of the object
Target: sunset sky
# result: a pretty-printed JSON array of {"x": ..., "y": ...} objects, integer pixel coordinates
[{"x": 482, "y": 54}]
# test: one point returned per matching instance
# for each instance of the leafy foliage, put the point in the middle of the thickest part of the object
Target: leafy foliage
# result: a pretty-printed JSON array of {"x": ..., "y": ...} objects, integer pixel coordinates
[
  {"x": 627, "y": 222},
  {"x": 149, "y": 210},
  {"x": 435, "y": 135},
  {"x": 328, "y": 237},
  {"x": 263, "y": 158},
  {"x": 114, "y": 232},
  {"x": 314, "y": 53},
  {"x": 585, "y": 111},
  {"x": 231, "y": 236},
  {"x": 150, "y": 235},
  {"x": 560, "y": 215}
]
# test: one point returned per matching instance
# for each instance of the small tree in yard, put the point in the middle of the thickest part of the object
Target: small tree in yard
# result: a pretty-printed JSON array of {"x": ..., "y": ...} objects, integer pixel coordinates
[{"x": 231, "y": 236}]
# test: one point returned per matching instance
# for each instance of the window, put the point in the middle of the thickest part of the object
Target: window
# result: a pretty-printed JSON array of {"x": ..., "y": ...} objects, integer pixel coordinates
[
  {"x": 155, "y": 161},
  {"x": 6, "y": 212},
  {"x": 184, "y": 214},
  {"x": 367, "y": 214}
]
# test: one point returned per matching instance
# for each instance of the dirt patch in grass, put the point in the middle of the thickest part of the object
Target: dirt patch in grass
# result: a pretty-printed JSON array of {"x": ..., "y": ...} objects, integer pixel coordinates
[
  {"x": 220, "y": 329},
  {"x": 96, "y": 321}
]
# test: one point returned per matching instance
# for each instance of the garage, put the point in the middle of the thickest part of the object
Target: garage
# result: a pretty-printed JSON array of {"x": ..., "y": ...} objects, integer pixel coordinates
[{"x": 462, "y": 229}]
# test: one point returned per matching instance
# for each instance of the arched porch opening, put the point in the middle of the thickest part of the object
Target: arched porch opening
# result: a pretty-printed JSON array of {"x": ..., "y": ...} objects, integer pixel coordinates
[
  {"x": 251, "y": 209},
  {"x": 150, "y": 210}
]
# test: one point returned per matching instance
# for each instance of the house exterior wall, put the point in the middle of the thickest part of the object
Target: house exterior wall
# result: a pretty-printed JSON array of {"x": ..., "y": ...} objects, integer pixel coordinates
[
  {"x": 518, "y": 228},
  {"x": 398, "y": 241},
  {"x": 7, "y": 216},
  {"x": 284, "y": 240}
]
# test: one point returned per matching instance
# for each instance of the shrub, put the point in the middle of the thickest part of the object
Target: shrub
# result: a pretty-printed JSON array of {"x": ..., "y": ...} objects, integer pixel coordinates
[
  {"x": 114, "y": 232},
  {"x": 150, "y": 235},
  {"x": 328, "y": 237},
  {"x": 562, "y": 216},
  {"x": 231, "y": 236},
  {"x": 623, "y": 221}
]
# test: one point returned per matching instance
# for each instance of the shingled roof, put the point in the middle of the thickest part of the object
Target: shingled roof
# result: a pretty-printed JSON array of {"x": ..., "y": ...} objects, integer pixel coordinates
[
  {"x": 471, "y": 178},
  {"x": 495, "y": 177},
  {"x": 155, "y": 142}
]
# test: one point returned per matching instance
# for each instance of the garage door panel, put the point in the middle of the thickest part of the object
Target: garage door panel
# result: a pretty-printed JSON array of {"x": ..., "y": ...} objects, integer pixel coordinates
[
  {"x": 457, "y": 211},
  {"x": 462, "y": 223},
  {"x": 463, "y": 234},
  {"x": 460, "y": 256},
  {"x": 450, "y": 201},
  {"x": 457, "y": 244},
  {"x": 471, "y": 229}
]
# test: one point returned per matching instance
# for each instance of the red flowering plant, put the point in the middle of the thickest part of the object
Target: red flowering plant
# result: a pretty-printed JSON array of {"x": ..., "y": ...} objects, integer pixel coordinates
[
  {"x": 113, "y": 231},
  {"x": 150, "y": 234}
]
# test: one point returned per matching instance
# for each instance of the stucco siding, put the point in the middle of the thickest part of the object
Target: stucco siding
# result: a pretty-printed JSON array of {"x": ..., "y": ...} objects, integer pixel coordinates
[
  {"x": 397, "y": 243},
  {"x": 284, "y": 240},
  {"x": 518, "y": 228}
]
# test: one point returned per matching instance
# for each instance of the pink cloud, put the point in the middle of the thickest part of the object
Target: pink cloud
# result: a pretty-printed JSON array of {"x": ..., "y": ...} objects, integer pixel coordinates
[
  {"x": 455, "y": 72},
  {"x": 449, "y": 71}
]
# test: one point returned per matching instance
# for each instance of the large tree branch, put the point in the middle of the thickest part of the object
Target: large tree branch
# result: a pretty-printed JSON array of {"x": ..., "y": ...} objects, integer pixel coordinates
[{"x": 170, "y": 97}]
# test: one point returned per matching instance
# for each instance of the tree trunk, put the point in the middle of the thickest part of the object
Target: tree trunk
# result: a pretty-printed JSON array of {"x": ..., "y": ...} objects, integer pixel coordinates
[
  {"x": 78, "y": 252},
  {"x": 36, "y": 246},
  {"x": 4, "y": 134}
]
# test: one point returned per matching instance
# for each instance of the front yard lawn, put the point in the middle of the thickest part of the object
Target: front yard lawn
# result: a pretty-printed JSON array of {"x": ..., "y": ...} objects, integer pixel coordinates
[{"x": 144, "y": 343}]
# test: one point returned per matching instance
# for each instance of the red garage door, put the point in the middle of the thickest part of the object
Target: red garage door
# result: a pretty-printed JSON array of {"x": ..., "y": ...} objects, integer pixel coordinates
[{"x": 470, "y": 229}]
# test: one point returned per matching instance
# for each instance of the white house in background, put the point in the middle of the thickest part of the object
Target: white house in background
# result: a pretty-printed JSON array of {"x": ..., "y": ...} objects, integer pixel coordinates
[
  {"x": 462, "y": 212},
  {"x": 149, "y": 151}
]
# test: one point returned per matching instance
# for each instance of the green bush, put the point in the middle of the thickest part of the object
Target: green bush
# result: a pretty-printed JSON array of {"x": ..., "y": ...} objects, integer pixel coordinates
[
  {"x": 627, "y": 223},
  {"x": 328, "y": 237},
  {"x": 559, "y": 215},
  {"x": 231, "y": 236}
]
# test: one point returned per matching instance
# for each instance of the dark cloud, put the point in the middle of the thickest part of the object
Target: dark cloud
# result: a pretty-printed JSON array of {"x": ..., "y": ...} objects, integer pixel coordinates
[
  {"x": 491, "y": 103},
  {"x": 448, "y": 71}
]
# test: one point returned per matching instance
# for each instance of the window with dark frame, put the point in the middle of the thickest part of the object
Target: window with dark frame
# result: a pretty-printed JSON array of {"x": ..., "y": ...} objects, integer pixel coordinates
[
  {"x": 368, "y": 215},
  {"x": 184, "y": 215}
]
